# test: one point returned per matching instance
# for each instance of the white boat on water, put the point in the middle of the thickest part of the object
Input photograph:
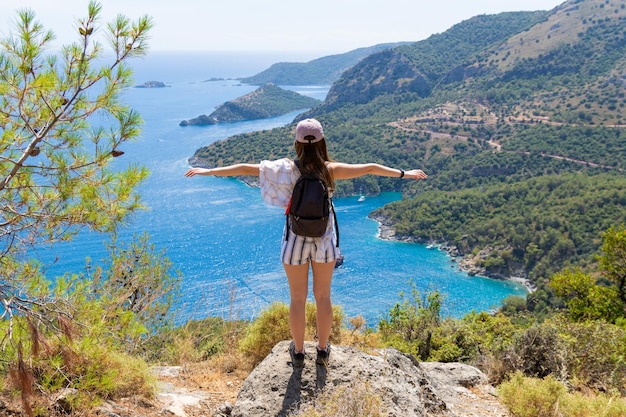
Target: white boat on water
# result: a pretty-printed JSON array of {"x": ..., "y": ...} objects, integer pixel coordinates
[{"x": 361, "y": 195}]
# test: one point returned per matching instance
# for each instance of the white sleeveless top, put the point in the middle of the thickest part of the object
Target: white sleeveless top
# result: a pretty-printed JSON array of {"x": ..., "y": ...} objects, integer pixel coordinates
[{"x": 277, "y": 179}]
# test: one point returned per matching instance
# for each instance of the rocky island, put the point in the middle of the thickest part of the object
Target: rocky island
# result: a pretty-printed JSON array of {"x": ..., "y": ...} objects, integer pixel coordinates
[
  {"x": 152, "y": 84},
  {"x": 266, "y": 101}
]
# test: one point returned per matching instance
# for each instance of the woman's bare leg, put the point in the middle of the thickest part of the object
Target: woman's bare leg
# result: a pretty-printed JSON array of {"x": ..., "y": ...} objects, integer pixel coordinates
[
  {"x": 298, "y": 277},
  {"x": 322, "y": 277}
]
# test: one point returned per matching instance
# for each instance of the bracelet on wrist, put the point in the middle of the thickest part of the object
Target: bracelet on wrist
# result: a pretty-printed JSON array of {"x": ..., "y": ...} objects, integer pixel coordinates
[{"x": 401, "y": 173}]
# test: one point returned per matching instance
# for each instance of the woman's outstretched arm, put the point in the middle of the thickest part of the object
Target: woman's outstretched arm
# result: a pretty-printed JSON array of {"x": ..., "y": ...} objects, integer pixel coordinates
[
  {"x": 343, "y": 171},
  {"x": 227, "y": 171}
]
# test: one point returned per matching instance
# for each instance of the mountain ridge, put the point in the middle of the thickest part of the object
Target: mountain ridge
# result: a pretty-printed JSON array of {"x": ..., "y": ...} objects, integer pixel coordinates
[
  {"x": 321, "y": 71},
  {"x": 421, "y": 66}
]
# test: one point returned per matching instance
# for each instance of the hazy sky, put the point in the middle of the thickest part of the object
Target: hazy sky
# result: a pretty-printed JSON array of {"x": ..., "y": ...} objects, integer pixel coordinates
[{"x": 325, "y": 26}]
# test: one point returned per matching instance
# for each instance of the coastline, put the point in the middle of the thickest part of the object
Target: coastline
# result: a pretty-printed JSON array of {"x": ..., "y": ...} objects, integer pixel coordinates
[{"x": 466, "y": 264}]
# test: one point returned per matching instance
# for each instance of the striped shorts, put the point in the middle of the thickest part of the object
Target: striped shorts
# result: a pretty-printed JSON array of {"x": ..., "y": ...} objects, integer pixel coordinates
[{"x": 300, "y": 250}]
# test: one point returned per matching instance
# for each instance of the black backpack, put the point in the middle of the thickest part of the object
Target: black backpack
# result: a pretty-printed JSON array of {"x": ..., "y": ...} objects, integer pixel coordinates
[{"x": 310, "y": 207}]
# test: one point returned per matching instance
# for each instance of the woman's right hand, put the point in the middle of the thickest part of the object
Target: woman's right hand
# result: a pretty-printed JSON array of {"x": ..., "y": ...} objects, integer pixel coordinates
[{"x": 197, "y": 171}]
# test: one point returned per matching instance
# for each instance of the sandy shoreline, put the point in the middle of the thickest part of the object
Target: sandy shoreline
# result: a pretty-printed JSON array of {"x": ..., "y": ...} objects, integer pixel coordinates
[{"x": 386, "y": 232}]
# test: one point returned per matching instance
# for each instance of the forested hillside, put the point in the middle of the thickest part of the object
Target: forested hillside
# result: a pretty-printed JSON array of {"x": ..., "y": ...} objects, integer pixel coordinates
[{"x": 516, "y": 117}]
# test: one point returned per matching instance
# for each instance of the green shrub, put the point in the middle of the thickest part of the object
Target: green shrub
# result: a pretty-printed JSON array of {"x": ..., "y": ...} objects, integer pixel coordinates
[
  {"x": 598, "y": 354},
  {"x": 109, "y": 374},
  {"x": 453, "y": 341},
  {"x": 448, "y": 352},
  {"x": 513, "y": 305},
  {"x": 576, "y": 405},
  {"x": 494, "y": 332},
  {"x": 585, "y": 300},
  {"x": 414, "y": 326},
  {"x": 538, "y": 352},
  {"x": 531, "y": 397},
  {"x": 411, "y": 324}
]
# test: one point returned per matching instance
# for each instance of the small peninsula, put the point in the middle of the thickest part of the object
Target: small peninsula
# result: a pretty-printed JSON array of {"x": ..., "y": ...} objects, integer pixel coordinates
[{"x": 266, "y": 101}]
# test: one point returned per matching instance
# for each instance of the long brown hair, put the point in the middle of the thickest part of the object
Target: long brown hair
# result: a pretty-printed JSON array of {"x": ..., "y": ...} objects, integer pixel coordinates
[{"x": 313, "y": 158}]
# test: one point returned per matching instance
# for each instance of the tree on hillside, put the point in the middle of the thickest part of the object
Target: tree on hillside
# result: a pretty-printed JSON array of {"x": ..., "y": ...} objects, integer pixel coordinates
[
  {"x": 613, "y": 259},
  {"x": 590, "y": 298},
  {"x": 62, "y": 124}
]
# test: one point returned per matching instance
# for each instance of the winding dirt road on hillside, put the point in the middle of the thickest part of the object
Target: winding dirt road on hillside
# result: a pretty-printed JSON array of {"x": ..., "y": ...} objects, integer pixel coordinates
[{"x": 498, "y": 147}]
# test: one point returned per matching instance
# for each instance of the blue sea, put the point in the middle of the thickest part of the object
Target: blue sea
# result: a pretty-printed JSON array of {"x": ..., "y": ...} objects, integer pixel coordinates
[{"x": 220, "y": 235}]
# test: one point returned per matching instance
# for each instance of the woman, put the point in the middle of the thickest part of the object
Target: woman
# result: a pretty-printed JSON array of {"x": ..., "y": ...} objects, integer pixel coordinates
[{"x": 277, "y": 179}]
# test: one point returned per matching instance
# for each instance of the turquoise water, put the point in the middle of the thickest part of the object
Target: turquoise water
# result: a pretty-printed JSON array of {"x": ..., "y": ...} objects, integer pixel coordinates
[{"x": 225, "y": 241}]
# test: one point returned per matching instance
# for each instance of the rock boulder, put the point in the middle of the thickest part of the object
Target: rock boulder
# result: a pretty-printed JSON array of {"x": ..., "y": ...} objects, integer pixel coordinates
[{"x": 406, "y": 387}]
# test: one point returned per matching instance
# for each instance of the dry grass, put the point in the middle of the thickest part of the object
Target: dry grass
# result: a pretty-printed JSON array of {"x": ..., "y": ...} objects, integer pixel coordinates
[
  {"x": 213, "y": 376},
  {"x": 354, "y": 399},
  {"x": 561, "y": 28}
]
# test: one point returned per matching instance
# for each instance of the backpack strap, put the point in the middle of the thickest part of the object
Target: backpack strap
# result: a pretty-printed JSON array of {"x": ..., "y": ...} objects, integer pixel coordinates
[
  {"x": 287, "y": 221},
  {"x": 297, "y": 164},
  {"x": 332, "y": 208}
]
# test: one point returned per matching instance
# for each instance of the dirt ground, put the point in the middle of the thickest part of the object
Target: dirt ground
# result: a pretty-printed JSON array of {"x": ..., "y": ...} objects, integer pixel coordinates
[{"x": 195, "y": 390}]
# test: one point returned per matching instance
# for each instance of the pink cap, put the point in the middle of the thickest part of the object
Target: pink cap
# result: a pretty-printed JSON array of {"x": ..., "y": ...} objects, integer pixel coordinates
[{"x": 309, "y": 127}]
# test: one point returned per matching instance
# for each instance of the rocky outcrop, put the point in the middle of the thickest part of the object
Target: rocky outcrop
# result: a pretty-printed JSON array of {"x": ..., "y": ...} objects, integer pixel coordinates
[{"x": 407, "y": 388}]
